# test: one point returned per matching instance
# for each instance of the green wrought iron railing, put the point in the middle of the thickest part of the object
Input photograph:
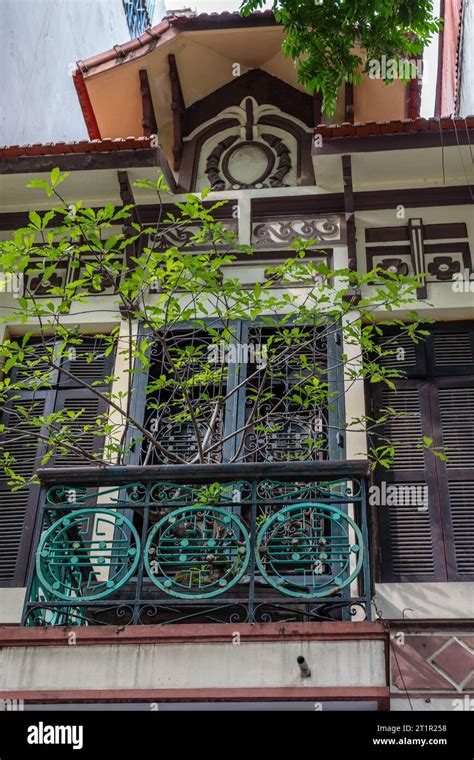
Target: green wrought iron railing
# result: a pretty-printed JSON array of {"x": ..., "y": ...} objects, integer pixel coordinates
[{"x": 197, "y": 543}]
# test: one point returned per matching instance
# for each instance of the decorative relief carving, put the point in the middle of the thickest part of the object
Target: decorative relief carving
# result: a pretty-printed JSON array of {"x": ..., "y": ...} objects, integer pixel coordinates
[
  {"x": 443, "y": 267},
  {"x": 191, "y": 236},
  {"x": 436, "y": 261},
  {"x": 256, "y": 159},
  {"x": 284, "y": 160},
  {"x": 213, "y": 163},
  {"x": 66, "y": 272},
  {"x": 396, "y": 266},
  {"x": 324, "y": 229}
]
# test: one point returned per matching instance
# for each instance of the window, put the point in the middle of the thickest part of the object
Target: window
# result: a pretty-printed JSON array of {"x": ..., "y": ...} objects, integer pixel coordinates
[
  {"x": 246, "y": 405},
  {"x": 20, "y": 440},
  {"x": 431, "y": 538}
]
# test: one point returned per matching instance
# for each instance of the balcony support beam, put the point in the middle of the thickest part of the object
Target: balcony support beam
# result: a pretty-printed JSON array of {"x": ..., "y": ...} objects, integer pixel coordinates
[{"x": 199, "y": 473}]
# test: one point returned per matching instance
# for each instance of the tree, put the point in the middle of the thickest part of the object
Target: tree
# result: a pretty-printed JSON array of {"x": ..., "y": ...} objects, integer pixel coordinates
[
  {"x": 333, "y": 41},
  {"x": 181, "y": 326}
]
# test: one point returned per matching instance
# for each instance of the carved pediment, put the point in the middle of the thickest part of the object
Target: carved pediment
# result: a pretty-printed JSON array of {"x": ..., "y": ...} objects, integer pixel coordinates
[{"x": 251, "y": 142}]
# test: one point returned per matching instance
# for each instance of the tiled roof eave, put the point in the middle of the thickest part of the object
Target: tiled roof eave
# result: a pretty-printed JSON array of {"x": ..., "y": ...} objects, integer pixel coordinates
[
  {"x": 105, "y": 145},
  {"x": 400, "y": 126},
  {"x": 151, "y": 37}
]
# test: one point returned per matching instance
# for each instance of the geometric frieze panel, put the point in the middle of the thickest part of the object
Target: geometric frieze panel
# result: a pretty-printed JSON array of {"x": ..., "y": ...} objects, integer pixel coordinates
[
  {"x": 67, "y": 272},
  {"x": 192, "y": 236},
  {"x": 278, "y": 232},
  {"x": 436, "y": 252}
]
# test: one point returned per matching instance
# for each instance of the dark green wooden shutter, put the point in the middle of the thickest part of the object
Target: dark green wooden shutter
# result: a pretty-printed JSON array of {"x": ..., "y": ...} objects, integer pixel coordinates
[
  {"x": 87, "y": 362},
  {"x": 411, "y": 360},
  {"x": 441, "y": 396},
  {"x": 36, "y": 371},
  {"x": 450, "y": 359},
  {"x": 18, "y": 509},
  {"x": 90, "y": 407},
  {"x": 450, "y": 350},
  {"x": 410, "y": 534},
  {"x": 453, "y": 416}
]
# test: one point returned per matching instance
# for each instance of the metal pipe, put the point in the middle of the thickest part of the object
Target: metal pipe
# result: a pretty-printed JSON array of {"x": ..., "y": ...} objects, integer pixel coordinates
[{"x": 304, "y": 667}]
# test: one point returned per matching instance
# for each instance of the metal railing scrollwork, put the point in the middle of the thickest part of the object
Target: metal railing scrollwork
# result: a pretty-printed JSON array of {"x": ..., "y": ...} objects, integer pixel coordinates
[{"x": 216, "y": 543}]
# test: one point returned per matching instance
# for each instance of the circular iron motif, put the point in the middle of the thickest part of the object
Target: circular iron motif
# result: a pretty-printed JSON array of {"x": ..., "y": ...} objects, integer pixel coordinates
[
  {"x": 197, "y": 552},
  {"x": 306, "y": 550},
  {"x": 88, "y": 554}
]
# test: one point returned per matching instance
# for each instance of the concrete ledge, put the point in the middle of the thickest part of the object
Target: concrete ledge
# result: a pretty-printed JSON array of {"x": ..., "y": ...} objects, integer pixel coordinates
[
  {"x": 181, "y": 665},
  {"x": 17, "y": 636},
  {"x": 380, "y": 694}
]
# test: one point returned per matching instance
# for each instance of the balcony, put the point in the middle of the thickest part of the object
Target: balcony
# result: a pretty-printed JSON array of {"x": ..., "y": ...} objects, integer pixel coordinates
[{"x": 229, "y": 543}]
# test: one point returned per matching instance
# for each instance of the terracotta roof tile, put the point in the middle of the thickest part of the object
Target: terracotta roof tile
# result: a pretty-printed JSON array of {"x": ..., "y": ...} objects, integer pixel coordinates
[
  {"x": 409, "y": 125},
  {"x": 220, "y": 17},
  {"x": 199, "y": 23},
  {"x": 83, "y": 146},
  {"x": 398, "y": 126},
  {"x": 446, "y": 123},
  {"x": 33, "y": 149},
  {"x": 369, "y": 128},
  {"x": 345, "y": 129},
  {"x": 11, "y": 151},
  {"x": 323, "y": 130},
  {"x": 421, "y": 124},
  {"x": 388, "y": 127}
]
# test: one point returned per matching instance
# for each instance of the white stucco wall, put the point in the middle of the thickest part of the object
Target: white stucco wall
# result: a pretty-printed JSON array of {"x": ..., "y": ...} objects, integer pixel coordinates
[
  {"x": 40, "y": 42},
  {"x": 422, "y": 601},
  {"x": 193, "y": 666}
]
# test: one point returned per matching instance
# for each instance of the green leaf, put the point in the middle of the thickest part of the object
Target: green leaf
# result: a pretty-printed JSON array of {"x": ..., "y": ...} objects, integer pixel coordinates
[{"x": 35, "y": 219}]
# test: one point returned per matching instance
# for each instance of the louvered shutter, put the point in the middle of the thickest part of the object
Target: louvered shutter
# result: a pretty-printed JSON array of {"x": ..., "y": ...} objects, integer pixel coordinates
[
  {"x": 18, "y": 509},
  {"x": 444, "y": 396},
  {"x": 450, "y": 359},
  {"x": 450, "y": 350},
  {"x": 402, "y": 354},
  {"x": 409, "y": 516},
  {"x": 453, "y": 423},
  {"x": 37, "y": 371},
  {"x": 87, "y": 362},
  {"x": 88, "y": 406}
]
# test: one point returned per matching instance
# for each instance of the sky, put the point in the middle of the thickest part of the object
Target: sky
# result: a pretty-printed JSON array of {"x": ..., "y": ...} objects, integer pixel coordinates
[{"x": 429, "y": 59}]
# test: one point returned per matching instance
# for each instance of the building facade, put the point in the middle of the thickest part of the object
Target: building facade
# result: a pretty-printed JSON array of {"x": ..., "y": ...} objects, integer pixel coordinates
[{"x": 212, "y": 102}]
